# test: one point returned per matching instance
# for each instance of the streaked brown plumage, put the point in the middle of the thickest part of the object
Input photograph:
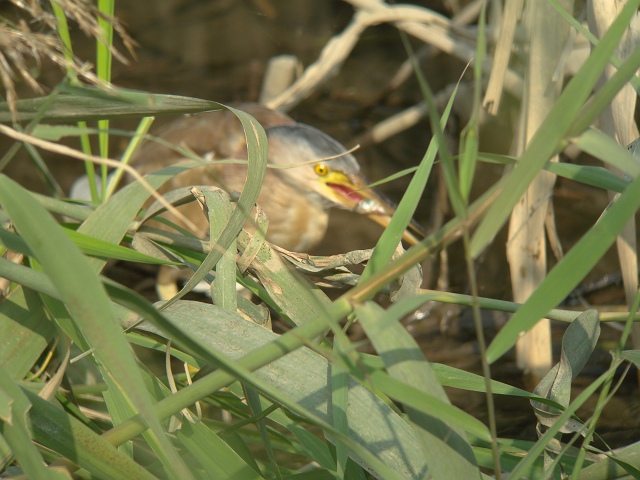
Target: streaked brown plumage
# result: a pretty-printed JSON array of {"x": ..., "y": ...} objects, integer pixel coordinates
[{"x": 295, "y": 200}]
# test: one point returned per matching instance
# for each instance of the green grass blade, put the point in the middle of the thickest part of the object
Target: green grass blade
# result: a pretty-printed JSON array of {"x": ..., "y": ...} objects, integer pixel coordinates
[
  {"x": 450, "y": 174},
  {"x": 100, "y": 248},
  {"x": 57, "y": 132},
  {"x": 87, "y": 302},
  {"x": 225, "y": 464},
  {"x": 223, "y": 289},
  {"x": 392, "y": 235},
  {"x": 64, "y": 434},
  {"x": 87, "y": 103},
  {"x": 593, "y": 40},
  {"x": 316, "y": 449},
  {"x": 62, "y": 29},
  {"x": 28, "y": 277},
  {"x": 256, "y": 139},
  {"x": 88, "y": 245},
  {"x": 141, "y": 131},
  {"x": 595, "y": 176},
  {"x": 469, "y": 138},
  {"x": 607, "y": 149},
  {"x": 569, "y": 271},
  {"x": 252, "y": 397},
  {"x": 104, "y": 60},
  {"x": 604, "y": 96},
  {"x": 339, "y": 406},
  {"x": 111, "y": 221}
]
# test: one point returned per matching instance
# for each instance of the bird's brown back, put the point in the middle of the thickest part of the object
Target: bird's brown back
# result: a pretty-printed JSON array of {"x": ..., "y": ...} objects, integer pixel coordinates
[
  {"x": 218, "y": 133},
  {"x": 294, "y": 223}
]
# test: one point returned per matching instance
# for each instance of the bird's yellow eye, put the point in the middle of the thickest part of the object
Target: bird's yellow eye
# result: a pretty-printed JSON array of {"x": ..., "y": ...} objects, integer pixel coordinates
[{"x": 321, "y": 169}]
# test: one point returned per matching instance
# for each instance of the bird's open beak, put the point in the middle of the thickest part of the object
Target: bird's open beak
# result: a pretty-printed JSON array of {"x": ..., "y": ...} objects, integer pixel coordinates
[{"x": 351, "y": 192}]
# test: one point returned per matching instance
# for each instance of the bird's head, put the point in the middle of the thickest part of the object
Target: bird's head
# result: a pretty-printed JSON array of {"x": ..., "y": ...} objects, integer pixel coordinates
[{"x": 333, "y": 179}]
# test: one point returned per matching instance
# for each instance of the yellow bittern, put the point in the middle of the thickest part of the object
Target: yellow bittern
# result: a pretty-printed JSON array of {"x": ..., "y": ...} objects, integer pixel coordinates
[{"x": 295, "y": 200}]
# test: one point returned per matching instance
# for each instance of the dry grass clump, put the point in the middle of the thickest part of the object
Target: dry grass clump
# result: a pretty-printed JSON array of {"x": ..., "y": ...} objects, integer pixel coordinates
[{"x": 37, "y": 37}]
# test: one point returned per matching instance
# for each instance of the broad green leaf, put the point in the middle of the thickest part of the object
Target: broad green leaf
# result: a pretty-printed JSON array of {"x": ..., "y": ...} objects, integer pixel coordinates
[
  {"x": 111, "y": 220},
  {"x": 578, "y": 342},
  {"x": 538, "y": 448},
  {"x": 25, "y": 330},
  {"x": 444, "y": 446},
  {"x": 632, "y": 356},
  {"x": 427, "y": 404},
  {"x": 257, "y": 157},
  {"x": 298, "y": 298},
  {"x": 299, "y": 379},
  {"x": 618, "y": 464},
  {"x": 289, "y": 292}
]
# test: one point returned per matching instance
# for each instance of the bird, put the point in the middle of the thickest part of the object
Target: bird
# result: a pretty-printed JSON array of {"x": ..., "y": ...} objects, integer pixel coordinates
[{"x": 296, "y": 200}]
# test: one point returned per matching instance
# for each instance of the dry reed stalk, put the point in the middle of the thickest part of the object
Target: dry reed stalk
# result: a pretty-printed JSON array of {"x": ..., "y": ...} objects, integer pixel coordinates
[
  {"x": 422, "y": 23},
  {"x": 501, "y": 56},
  {"x": 526, "y": 247}
]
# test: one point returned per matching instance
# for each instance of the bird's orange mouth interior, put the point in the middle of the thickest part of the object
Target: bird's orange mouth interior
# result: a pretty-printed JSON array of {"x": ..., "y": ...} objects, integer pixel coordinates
[{"x": 346, "y": 192}]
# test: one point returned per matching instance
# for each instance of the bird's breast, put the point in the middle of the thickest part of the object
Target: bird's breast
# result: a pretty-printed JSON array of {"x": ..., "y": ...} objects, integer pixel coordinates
[{"x": 295, "y": 223}]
